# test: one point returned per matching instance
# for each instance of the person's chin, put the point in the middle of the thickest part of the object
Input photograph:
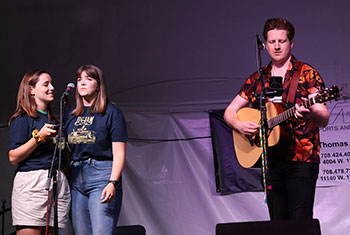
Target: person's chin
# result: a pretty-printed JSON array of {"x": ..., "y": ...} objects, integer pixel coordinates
[
  {"x": 278, "y": 56},
  {"x": 279, "y": 59}
]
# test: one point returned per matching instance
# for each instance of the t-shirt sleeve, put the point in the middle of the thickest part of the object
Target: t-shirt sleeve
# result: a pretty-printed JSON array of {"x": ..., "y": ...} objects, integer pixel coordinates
[
  {"x": 118, "y": 128},
  {"x": 66, "y": 119},
  {"x": 19, "y": 129}
]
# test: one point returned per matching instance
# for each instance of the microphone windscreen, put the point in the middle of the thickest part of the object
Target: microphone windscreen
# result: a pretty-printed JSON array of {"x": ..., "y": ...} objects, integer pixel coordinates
[{"x": 71, "y": 85}]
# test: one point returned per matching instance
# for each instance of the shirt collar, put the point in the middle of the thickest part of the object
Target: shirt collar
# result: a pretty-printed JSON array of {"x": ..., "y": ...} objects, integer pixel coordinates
[{"x": 293, "y": 66}]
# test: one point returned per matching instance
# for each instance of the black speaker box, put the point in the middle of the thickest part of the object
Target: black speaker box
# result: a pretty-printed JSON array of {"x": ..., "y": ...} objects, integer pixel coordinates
[
  {"x": 130, "y": 230},
  {"x": 276, "y": 227}
]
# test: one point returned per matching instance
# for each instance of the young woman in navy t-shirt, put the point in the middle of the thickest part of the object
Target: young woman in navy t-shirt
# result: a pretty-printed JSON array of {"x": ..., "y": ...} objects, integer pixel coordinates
[
  {"x": 31, "y": 147},
  {"x": 97, "y": 137}
]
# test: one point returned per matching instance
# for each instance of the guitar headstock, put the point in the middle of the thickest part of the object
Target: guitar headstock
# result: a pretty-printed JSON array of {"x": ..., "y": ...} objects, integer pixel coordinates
[{"x": 328, "y": 94}]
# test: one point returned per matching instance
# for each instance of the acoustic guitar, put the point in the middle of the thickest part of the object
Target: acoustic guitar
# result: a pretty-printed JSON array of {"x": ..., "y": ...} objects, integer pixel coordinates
[{"x": 248, "y": 150}]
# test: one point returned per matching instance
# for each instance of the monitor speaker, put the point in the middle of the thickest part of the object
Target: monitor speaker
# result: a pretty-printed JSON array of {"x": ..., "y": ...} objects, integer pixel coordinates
[
  {"x": 275, "y": 227},
  {"x": 130, "y": 230}
]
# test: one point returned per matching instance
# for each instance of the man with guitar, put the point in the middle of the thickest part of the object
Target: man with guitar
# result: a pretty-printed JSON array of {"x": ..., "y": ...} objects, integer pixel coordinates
[{"x": 293, "y": 164}]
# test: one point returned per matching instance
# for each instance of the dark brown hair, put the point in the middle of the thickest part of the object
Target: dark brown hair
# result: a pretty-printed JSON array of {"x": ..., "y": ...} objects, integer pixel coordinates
[
  {"x": 25, "y": 101},
  {"x": 100, "y": 103},
  {"x": 279, "y": 23}
]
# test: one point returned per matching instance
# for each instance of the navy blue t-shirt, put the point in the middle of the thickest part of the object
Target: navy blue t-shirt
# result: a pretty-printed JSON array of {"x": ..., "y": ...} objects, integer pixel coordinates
[
  {"x": 90, "y": 135},
  {"x": 21, "y": 129}
]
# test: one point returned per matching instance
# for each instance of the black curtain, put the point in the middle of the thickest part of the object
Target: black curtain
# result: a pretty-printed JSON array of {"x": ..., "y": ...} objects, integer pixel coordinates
[{"x": 230, "y": 176}]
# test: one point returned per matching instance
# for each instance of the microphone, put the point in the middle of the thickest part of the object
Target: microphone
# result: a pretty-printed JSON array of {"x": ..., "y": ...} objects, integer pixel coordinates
[
  {"x": 70, "y": 87},
  {"x": 259, "y": 43}
]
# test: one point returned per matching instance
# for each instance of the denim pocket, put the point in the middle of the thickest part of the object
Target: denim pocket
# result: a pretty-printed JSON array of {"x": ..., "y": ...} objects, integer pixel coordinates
[{"x": 102, "y": 165}]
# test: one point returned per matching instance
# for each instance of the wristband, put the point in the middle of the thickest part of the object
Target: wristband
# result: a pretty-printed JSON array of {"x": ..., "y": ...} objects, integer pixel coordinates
[
  {"x": 114, "y": 182},
  {"x": 36, "y": 136}
]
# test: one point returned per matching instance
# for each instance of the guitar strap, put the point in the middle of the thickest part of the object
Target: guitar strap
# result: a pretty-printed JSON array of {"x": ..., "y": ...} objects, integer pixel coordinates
[{"x": 294, "y": 83}]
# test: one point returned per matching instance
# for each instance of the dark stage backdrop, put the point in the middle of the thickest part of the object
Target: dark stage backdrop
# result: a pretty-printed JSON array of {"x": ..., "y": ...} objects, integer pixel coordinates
[
  {"x": 230, "y": 176},
  {"x": 162, "y": 59}
]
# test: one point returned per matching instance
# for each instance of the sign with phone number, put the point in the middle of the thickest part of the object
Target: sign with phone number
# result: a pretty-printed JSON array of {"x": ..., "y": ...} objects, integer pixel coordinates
[{"x": 335, "y": 146}]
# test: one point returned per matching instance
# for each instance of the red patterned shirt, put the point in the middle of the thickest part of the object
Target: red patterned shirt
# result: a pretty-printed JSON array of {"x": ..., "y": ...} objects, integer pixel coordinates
[{"x": 305, "y": 143}]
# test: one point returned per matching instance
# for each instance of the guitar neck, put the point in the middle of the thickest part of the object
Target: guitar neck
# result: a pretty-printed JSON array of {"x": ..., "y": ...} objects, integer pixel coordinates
[
  {"x": 289, "y": 113},
  {"x": 326, "y": 95}
]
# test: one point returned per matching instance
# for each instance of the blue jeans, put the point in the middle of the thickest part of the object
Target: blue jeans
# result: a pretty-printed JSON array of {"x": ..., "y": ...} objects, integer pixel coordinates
[{"x": 89, "y": 216}]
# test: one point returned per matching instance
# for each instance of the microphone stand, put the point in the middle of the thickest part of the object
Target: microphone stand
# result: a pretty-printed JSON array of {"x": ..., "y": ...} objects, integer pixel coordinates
[
  {"x": 53, "y": 171},
  {"x": 2, "y": 214},
  {"x": 263, "y": 130}
]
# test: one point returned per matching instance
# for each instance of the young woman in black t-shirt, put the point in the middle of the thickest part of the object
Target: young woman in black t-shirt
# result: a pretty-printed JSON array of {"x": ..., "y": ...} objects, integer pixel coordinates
[{"x": 31, "y": 147}]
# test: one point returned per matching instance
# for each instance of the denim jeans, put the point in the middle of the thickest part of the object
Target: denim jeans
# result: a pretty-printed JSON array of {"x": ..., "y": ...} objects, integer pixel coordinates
[{"x": 89, "y": 216}]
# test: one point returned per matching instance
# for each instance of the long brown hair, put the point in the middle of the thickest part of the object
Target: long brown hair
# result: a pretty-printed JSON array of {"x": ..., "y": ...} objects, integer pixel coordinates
[
  {"x": 25, "y": 102},
  {"x": 101, "y": 100}
]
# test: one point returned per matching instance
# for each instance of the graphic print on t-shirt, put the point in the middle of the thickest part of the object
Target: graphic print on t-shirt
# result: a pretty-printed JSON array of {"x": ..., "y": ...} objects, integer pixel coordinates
[{"x": 82, "y": 135}]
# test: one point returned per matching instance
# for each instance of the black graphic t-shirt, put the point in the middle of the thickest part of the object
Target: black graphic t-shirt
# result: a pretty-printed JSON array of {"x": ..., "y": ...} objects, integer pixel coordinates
[
  {"x": 90, "y": 135},
  {"x": 21, "y": 129}
]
